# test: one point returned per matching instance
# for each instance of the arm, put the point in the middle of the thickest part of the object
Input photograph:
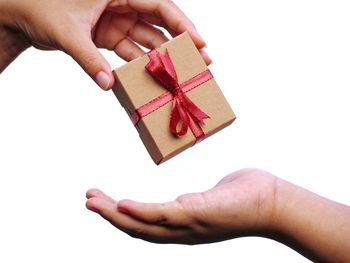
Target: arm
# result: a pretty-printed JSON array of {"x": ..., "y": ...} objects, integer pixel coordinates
[
  {"x": 316, "y": 227},
  {"x": 79, "y": 28},
  {"x": 249, "y": 202}
]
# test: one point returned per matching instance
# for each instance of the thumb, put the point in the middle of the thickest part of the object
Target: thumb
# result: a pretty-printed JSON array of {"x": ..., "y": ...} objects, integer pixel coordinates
[{"x": 86, "y": 54}]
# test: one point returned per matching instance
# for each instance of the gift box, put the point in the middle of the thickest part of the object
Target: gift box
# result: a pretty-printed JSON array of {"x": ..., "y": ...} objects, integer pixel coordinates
[{"x": 172, "y": 98}]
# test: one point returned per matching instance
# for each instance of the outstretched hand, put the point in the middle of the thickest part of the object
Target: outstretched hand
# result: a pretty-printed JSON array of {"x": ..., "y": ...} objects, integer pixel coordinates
[
  {"x": 240, "y": 204},
  {"x": 245, "y": 203},
  {"x": 80, "y": 27}
]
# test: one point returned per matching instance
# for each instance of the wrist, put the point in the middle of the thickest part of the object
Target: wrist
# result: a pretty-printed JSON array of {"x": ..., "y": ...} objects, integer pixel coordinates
[
  {"x": 290, "y": 217},
  {"x": 284, "y": 206},
  {"x": 273, "y": 225},
  {"x": 310, "y": 224}
]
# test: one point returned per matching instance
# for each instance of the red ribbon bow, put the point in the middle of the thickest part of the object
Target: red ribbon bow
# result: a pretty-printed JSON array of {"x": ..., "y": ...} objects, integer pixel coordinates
[{"x": 183, "y": 111}]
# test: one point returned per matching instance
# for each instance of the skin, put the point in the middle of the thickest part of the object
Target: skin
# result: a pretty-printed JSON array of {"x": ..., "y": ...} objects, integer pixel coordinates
[
  {"x": 79, "y": 28},
  {"x": 245, "y": 203},
  {"x": 249, "y": 202}
]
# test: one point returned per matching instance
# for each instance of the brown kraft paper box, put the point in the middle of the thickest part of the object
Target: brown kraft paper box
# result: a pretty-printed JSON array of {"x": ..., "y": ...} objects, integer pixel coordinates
[{"x": 135, "y": 87}]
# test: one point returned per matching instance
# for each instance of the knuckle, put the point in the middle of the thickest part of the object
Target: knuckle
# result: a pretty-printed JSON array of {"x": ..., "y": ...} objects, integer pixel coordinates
[
  {"x": 89, "y": 62},
  {"x": 188, "y": 205},
  {"x": 161, "y": 220},
  {"x": 169, "y": 2},
  {"x": 179, "y": 24},
  {"x": 165, "y": 2},
  {"x": 151, "y": 43},
  {"x": 130, "y": 55},
  {"x": 164, "y": 5},
  {"x": 183, "y": 199},
  {"x": 196, "y": 207}
]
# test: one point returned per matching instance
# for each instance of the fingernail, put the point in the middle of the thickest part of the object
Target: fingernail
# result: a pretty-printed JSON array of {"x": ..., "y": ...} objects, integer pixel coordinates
[
  {"x": 205, "y": 55},
  {"x": 198, "y": 39},
  {"x": 103, "y": 80},
  {"x": 91, "y": 206},
  {"x": 199, "y": 36}
]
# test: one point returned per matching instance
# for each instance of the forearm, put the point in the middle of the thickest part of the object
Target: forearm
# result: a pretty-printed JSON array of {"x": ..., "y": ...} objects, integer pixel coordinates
[{"x": 316, "y": 227}]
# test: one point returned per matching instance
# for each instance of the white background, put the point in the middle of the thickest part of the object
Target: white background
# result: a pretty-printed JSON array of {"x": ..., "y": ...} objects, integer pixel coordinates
[{"x": 283, "y": 66}]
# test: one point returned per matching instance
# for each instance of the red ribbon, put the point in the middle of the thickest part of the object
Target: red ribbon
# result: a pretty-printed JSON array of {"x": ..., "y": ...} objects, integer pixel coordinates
[{"x": 183, "y": 110}]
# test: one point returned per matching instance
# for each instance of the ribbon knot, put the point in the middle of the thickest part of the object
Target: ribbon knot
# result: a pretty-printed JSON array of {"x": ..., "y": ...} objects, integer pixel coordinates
[{"x": 183, "y": 111}]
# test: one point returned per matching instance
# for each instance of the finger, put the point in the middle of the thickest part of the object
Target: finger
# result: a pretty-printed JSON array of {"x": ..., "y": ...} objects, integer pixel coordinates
[
  {"x": 205, "y": 57},
  {"x": 128, "y": 50},
  {"x": 168, "y": 214},
  {"x": 152, "y": 19},
  {"x": 155, "y": 20},
  {"x": 147, "y": 35},
  {"x": 93, "y": 192},
  {"x": 85, "y": 53},
  {"x": 173, "y": 18},
  {"x": 131, "y": 226},
  {"x": 112, "y": 33}
]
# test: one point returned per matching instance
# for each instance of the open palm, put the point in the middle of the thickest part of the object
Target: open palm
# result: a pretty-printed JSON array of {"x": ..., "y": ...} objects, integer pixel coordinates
[{"x": 240, "y": 204}]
